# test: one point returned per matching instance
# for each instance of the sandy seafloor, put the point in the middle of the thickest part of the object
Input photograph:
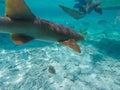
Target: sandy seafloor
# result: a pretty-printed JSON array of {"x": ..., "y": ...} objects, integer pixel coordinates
[{"x": 25, "y": 67}]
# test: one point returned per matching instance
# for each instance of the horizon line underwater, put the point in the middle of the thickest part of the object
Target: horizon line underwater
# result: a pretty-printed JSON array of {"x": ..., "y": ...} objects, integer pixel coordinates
[{"x": 28, "y": 62}]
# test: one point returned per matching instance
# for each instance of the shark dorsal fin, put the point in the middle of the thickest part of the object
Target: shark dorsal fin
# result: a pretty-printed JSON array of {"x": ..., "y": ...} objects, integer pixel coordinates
[{"x": 17, "y": 9}]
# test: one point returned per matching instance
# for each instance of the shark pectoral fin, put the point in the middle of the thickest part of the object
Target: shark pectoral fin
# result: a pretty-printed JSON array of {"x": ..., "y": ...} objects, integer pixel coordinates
[
  {"x": 71, "y": 43},
  {"x": 17, "y": 9},
  {"x": 20, "y": 39},
  {"x": 73, "y": 13}
]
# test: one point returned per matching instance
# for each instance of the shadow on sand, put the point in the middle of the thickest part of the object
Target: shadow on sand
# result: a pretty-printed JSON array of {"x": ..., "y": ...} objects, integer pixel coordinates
[{"x": 107, "y": 47}]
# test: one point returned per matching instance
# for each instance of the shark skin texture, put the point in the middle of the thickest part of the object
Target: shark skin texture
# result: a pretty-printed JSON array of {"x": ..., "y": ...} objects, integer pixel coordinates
[{"x": 24, "y": 26}]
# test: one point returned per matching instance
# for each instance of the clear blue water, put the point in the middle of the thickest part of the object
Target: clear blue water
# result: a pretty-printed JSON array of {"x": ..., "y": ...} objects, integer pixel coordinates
[{"x": 25, "y": 67}]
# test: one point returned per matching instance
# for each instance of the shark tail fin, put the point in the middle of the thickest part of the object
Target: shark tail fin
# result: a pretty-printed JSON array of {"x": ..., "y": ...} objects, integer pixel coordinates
[
  {"x": 71, "y": 43},
  {"x": 20, "y": 39},
  {"x": 73, "y": 13}
]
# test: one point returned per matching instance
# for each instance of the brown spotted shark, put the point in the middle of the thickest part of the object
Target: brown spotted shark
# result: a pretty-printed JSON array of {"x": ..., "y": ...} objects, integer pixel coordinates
[{"x": 24, "y": 26}]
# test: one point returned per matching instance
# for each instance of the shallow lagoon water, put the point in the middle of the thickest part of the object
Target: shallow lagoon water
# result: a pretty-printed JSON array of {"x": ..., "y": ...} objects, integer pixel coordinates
[{"x": 25, "y": 67}]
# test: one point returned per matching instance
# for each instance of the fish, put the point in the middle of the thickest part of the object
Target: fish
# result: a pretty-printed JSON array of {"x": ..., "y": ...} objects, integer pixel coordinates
[
  {"x": 84, "y": 9},
  {"x": 52, "y": 70},
  {"x": 23, "y": 26}
]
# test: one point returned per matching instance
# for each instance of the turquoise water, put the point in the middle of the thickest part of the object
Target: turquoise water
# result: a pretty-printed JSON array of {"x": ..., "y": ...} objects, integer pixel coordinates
[{"x": 25, "y": 67}]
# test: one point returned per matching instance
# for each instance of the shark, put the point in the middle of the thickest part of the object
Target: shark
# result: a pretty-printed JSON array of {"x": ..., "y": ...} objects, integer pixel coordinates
[
  {"x": 23, "y": 26},
  {"x": 85, "y": 7}
]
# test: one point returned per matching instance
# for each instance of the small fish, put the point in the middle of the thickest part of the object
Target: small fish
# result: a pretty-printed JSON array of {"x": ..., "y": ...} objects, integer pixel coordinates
[{"x": 51, "y": 69}]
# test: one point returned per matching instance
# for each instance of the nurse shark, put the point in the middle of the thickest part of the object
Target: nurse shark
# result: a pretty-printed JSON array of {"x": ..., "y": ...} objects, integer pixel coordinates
[
  {"x": 85, "y": 7},
  {"x": 24, "y": 26}
]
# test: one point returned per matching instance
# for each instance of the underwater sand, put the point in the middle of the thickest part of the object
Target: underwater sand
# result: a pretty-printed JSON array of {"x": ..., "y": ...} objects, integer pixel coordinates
[{"x": 25, "y": 67}]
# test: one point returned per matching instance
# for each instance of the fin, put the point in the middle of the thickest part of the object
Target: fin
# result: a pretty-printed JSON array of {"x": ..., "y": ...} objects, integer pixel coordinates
[
  {"x": 17, "y": 9},
  {"x": 71, "y": 43},
  {"x": 20, "y": 39},
  {"x": 75, "y": 14},
  {"x": 98, "y": 9}
]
